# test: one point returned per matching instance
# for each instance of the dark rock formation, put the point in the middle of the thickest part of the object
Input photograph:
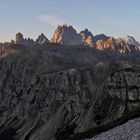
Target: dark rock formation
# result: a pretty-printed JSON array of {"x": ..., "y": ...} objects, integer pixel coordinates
[{"x": 50, "y": 92}]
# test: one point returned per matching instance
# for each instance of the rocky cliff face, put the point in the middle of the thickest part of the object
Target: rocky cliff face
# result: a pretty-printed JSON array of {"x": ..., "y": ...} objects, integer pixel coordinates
[
  {"x": 117, "y": 45},
  {"x": 46, "y": 97},
  {"x": 66, "y": 35},
  {"x": 87, "y": 38}
]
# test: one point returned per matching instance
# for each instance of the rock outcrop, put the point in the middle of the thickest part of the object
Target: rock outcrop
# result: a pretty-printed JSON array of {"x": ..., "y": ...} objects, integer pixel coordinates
[
  {"x": 19, "y": 38},
  {"x": 23, "y": 41},
  {"x": 66, "y": 35}
]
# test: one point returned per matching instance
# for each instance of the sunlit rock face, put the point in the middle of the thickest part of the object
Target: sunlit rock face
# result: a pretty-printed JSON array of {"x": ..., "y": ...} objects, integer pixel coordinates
[
  {"x": 42, "y": 39},
  {"x": 87, "y": 37},
  {"x": 66, "y": 35},
  {"x": 117, "y": 45},
  {"x": 90, "y": 40}
]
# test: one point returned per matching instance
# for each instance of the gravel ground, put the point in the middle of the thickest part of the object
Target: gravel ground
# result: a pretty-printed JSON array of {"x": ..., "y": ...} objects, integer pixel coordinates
[{"x": 127, "y": 131}]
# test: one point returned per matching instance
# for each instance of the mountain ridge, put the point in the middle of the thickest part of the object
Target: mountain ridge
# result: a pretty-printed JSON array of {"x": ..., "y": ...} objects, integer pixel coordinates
[{"x": 67, "y": 35}]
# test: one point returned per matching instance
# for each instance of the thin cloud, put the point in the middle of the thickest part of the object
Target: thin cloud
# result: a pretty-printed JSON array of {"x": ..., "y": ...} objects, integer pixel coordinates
[{"x": 52, "y": 20}]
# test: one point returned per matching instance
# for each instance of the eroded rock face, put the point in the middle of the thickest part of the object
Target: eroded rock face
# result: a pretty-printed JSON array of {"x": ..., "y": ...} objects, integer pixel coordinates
[
  {"x": 44, "y": 99},
  {"x": 52, "y": 101},
  {"x": 125, "y": 85},
  {"x": 66, "y": 35}
]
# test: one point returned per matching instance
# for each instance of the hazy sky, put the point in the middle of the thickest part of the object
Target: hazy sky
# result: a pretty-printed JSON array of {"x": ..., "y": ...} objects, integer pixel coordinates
[{"x": 32, "y": 17}]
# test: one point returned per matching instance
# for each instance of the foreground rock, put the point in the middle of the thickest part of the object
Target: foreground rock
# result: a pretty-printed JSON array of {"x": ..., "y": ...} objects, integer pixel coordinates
[{"x": 51, "y": 93}]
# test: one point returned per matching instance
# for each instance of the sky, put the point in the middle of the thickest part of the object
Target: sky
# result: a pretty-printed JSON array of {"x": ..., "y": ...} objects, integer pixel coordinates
[{"x": 116, "y": 18}]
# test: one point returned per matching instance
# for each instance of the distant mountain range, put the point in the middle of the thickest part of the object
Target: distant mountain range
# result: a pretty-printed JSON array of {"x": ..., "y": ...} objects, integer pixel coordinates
[{"x": 67, "y": 35}]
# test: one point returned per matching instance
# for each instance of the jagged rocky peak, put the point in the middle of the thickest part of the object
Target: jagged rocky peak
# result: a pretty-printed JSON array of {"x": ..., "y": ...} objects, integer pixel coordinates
[
  {"x": 87, "y": 37},
  {"x": 19, "y": 38},
  {"x": 42, "y": 39},
  {"x": 23, "y": 41},
  {"x": 66, "y": 35},
  {"x": 57, "y": 36},
  {"x": 100, "y": 37},
  {"x": 85, "y": 34},
  {"x": 117, "y": 45}
]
